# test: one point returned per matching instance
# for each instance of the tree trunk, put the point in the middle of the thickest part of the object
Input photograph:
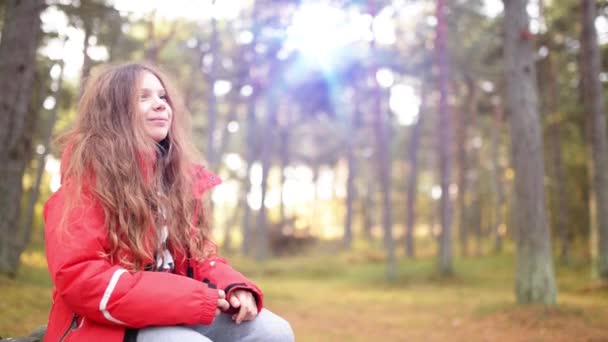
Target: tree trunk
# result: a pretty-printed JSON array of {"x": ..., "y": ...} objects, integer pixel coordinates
[
  {"x": 20, "y": 37},
  {"x": 246, "y": 246},
  {"x": 461, "y": 146},
  {"x": 284, "y": 161},
  {"x": 250, "y": 157},
  {"x": 445, "y": 141},
  {"x": 40, "y": 163},
  {"x": 558, "y": 178},
  {"x": 350, "y": 195},
  {"x": 384, "y": 170},
  {"x": 86, "y": 62},
  {"x": 594, "y": 106},
  {"x": 555, "y": 150},
  {"x": 350, "y": 182},
  {"x": 262, "y": 245},
  {"x": 227, "y": 245},
  {"x": 211, "y": 98},
  {"x": 412, "y": 182},
  {"x": 534, "y": 275},
  {"x": 497, "y": 188},
  {"x": 474, "y": 222},
  {"x": 368, "y": 211},
  {"x": 226, "y": 134}
]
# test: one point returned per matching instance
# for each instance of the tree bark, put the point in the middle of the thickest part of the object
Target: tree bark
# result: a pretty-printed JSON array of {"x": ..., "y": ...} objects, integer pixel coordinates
[
  {"x": 497, "y": 187},
  {"x": 262, "y": 238},
  {"x": 445, "y": 141},
  {"x": 384, "y": 171},
  {"x": 555, "y": 150},
  {"x": 20, "y": 37},
  {"x": 40, "y": 163},
  {"x": 86, "y": 62},
  {"x": 412, "y": 182},
  {"x": 534, "y": 275},
  {"x": 284, "y": 161},
  {"x": 368, "y": 211},
  {"x": 250, "y": 157},
  {"x": 350, "y": 195},
  {"x": 475, "y": 210},
  {"x": 211, "y": 98},
  {"x": 461, "y": 143},
  {"x": 383, "y": 155},
  {"x": 594, "y": 106},
  {"x": 350, "y": 181}
]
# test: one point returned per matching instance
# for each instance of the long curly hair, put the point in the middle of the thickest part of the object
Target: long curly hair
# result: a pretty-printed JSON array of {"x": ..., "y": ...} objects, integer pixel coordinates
[{"x": 141, "y": 185}]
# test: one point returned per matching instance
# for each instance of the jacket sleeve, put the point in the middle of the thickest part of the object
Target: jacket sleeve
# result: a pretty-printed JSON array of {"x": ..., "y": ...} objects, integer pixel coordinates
[
  {"x": 216, "y": 272},
  {"x": 93, "y": 287}
]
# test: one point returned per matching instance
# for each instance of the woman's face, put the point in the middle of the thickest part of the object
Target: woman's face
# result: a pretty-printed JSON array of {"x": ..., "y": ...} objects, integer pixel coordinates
[{"x": 153, "y": 106}]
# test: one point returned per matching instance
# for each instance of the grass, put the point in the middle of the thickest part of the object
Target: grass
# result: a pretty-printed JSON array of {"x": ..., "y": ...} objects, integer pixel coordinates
[{"x": 344, "y": 297}]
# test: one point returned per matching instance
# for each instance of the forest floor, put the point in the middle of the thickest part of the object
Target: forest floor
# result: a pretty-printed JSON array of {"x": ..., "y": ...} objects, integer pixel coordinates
[{"x": 345, "y": 298}]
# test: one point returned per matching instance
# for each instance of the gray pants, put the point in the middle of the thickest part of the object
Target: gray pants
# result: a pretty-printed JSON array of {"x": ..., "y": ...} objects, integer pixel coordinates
[{"x": 266, "y": 327}]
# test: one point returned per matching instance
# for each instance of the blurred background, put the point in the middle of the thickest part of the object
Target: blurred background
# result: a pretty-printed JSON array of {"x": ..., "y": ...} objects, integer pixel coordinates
[{"x": 406, "y": 169}]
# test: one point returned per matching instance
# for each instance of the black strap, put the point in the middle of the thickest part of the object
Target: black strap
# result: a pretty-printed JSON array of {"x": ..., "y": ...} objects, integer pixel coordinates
[
  {"x": 189, "y": 270},
  {"x": 130, "y": 335}
]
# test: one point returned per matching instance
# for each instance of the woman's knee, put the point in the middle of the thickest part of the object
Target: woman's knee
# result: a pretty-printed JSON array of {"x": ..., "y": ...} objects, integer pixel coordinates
[
  {"x": 170, "y": 334},
  {"x": 273, "y": 328}
]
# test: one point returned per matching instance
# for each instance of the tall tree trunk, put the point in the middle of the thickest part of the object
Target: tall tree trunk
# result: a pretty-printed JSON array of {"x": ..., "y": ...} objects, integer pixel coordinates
[
  {"x": 40, "y": 163},
  {"x": 384, "y": 170},
  {"x": 461, "y": 146},
  {"x": 20, "y": 37},
  {"x": 383, "y": 155},
  {"x": 594, "y": 106},
  {"x": 350, "y": 181},
  {"x": 247, "y": 244},
  {"x": 212, "y": 111},
  {"x": 475, "y": 210},
  {"x": 350, "y": 195},
  {"x": 284, "y": 161},
  {"x": 445, "y": 141},
  {"x": 315, "y": 222},
  {"x": 534, "y": 275},
  {"x": 155, "y": 43},
  {"x": 250, "y": 157},
  {"x": 263, "y": 244},
  {"x": 497, "y": 187},
  {"x": 368, "y": 211},
  {"x": 227, "y": 245},
  {"x": 86, "y": 62},
  {"x": 412, "y": 181},
  {"x": 226, "y": 134},
  {"x": 559, "y": 177}
]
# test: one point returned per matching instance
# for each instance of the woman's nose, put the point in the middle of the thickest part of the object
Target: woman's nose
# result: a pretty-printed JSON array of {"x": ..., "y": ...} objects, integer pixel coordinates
[{"x": 159, "y": 103}]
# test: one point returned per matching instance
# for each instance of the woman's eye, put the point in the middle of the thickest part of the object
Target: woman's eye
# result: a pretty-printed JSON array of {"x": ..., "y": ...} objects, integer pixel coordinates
[{"x": 144, "y": 96}]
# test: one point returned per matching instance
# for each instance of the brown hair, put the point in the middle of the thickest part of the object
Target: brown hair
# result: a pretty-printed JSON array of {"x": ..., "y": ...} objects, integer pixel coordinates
[{"x": 109, "y": 157}]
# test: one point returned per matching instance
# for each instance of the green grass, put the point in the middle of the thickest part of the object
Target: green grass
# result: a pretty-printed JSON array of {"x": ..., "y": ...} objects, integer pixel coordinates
[{"x": 345, "y": 297}]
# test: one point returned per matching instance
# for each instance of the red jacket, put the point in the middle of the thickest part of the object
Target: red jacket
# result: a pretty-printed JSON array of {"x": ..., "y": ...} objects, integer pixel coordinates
[{"x": 96, "y": 300}]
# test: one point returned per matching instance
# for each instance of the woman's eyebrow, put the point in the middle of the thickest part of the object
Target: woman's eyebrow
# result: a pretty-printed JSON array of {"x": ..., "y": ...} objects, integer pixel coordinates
[{"x": 160, "y": 90}]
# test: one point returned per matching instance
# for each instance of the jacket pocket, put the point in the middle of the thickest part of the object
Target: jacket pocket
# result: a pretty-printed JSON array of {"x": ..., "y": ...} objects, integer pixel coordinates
[{"x": 73, "y": 326}]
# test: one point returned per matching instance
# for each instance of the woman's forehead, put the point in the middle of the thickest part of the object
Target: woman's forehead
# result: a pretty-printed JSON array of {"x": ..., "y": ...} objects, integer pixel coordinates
[{"x": 149, "y": 81}]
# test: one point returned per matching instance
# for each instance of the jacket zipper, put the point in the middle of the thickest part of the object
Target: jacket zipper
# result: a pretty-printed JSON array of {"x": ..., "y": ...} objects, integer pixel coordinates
[{"x": 72, "y": 326}]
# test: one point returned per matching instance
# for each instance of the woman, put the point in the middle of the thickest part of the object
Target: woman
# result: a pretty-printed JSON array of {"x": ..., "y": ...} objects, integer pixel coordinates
[{"x": 127, "y": 234}]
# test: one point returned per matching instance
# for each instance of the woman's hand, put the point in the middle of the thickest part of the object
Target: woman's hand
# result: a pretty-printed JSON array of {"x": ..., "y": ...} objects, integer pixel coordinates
[
  {"x": 222, "y": 303},
  {"x": 245, "y": 302}
]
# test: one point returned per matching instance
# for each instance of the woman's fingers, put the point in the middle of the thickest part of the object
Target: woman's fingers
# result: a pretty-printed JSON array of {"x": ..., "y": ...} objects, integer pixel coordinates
[
  {"x": 248, "y": 308},
  {"x": 223, "y": 304}
]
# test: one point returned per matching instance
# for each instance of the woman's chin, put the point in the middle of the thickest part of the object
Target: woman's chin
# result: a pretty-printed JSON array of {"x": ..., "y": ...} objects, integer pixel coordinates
[{"x": 158, "y": 136}]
